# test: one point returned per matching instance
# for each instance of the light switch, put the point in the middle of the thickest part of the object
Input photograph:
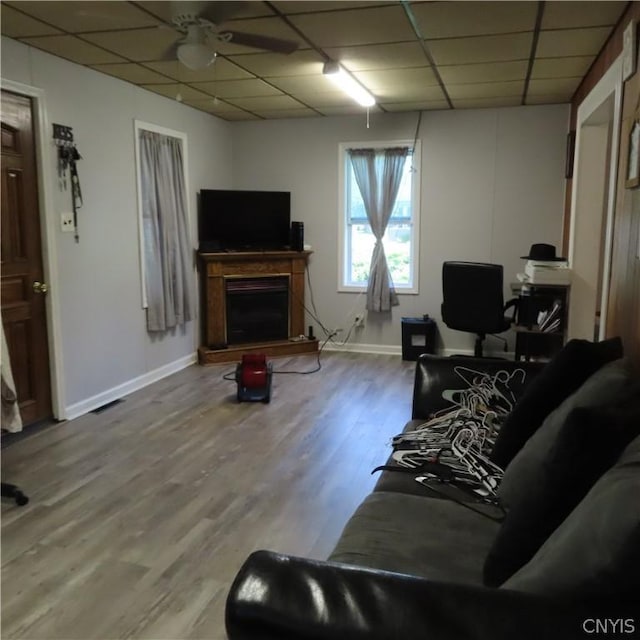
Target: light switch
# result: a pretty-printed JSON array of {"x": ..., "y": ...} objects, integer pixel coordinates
[{"x": 66, "y": 222}]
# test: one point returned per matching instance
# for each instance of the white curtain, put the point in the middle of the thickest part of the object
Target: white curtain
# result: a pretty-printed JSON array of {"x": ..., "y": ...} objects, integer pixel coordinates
[
  {"x": 11, "y": 419},
  {"x": 165, "y": 231},
  {"x": 378, "y": 174}
]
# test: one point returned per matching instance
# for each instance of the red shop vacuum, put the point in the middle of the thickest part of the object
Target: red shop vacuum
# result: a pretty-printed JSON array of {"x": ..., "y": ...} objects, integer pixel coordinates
[{"x": 253, "y": 376}]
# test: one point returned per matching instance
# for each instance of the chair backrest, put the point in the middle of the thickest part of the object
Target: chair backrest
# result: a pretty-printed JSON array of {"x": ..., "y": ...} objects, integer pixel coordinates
[{"x": 472, "y": 297}]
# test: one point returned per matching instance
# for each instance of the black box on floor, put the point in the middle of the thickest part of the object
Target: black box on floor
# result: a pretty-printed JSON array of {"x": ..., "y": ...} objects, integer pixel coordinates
[{"x": 418, "y": 336}]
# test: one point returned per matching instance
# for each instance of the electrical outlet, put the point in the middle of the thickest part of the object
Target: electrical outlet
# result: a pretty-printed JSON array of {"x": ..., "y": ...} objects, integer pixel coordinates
[
  {"x": 358, "y": 320},
  {"x": 66, "y": 222}
]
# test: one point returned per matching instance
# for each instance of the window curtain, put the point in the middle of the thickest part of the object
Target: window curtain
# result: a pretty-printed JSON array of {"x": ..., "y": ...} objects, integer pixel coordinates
[
  {"x": 165, "y": 231},
  {"x": 378, "y": 174}
]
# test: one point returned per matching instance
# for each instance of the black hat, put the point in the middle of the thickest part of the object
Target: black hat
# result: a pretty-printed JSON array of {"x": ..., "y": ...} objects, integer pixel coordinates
[{"x": 543, "y": 253}]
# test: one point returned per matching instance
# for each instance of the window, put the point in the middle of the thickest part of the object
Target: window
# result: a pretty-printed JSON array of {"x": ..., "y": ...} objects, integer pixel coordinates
[
  {"x": 401, "y": 237},
  {"x": 163, "y": 216}
]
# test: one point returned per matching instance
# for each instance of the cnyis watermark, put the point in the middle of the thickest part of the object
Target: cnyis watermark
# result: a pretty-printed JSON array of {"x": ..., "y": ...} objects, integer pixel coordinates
[{"x": 609, "y": 626}]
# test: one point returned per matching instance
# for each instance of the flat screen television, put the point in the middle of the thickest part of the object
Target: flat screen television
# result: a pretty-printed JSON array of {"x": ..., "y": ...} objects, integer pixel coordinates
[{"x": 244, "y": 220}]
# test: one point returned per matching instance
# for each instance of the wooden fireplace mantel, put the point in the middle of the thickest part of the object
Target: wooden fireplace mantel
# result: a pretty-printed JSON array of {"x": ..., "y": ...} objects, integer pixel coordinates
[{"x": 216, "y": 267}]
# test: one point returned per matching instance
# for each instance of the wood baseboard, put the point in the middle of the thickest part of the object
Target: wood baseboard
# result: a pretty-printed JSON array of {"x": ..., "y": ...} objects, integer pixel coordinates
[{"x": 274, "y": 349}]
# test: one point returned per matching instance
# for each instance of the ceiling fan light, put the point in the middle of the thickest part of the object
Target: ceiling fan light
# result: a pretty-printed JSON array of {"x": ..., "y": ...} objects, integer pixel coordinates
[
  {"x": 345, "y": 81},
  {"x": 195, "y": 55}
]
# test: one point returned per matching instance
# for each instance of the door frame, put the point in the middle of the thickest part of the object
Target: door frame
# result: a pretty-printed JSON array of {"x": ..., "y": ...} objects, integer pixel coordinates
[
  {"x": 609, "y": 87},
  {"x": 41, "y": 127}
]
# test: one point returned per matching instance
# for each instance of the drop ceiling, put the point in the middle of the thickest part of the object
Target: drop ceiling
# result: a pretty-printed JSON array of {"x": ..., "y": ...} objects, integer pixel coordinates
[{"x": 409, "y": 55}]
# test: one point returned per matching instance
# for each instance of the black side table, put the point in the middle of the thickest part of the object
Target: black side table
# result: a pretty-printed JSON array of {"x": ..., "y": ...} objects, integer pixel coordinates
[{"x": 418, "y": 336}]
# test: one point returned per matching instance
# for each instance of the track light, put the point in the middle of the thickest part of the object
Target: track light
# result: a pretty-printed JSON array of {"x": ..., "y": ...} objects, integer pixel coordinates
[{"x": 343, "y": 79}]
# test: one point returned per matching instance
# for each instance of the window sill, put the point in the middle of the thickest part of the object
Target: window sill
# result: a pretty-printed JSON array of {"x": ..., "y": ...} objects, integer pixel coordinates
[{"x": 400, "y": 291}]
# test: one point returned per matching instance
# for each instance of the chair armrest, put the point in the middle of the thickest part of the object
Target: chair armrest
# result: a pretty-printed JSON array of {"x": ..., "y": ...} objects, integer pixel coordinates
[
  {"x": 513, "y": 303},
  {"x": 277, "y": 597},
  {"x": 434, "y": 374}
]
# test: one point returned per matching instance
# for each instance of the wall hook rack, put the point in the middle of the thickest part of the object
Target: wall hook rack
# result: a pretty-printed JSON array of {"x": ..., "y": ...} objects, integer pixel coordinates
[{"x": 68, "y": 155}]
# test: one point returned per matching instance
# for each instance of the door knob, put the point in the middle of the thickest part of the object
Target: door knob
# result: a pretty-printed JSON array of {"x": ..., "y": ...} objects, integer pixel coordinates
[{"x": 40, "y": 287}]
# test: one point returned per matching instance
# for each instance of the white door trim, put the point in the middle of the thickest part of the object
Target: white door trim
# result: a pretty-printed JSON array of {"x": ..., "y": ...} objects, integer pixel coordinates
[
  {"x": 49, "y": 250},
  {"x": 609, "y": 85}
]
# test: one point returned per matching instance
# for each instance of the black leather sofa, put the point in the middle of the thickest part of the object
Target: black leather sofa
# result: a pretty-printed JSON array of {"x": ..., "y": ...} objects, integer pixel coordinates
[{"x": 419, "y": 563}]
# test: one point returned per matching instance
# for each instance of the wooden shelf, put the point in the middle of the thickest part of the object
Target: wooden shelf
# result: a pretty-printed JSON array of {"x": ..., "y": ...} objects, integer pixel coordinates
[
  {"x": 230, "y": 256},
  {"x": 530, "y": 340}
]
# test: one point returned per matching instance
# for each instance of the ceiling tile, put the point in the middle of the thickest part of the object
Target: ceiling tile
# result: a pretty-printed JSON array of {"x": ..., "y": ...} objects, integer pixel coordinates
[
  {"x": 312, "y": 6},
  {"x": 81, "y": 15},
  {"x": 456, "y": 19},
  {"x": 163, "y": 9},
  {"x": 568, "y": 15},
  {"x": 488, "y": 72},
  {"x": 212, "y": 105},
  {"x": 265, "y": 103},
  {"x": 320, "y": 100},
  {"x": 351, "y": 109},
  {"x": 379, "y": 56},
  {"x": 16, "y": 24},
  {"x": 171, "y": 90},
  {"x": 561, "y": 67},
  {"x": 571, "y": 42},
  {"x": 131, "y": 72},
  {"x": 305, "y": 84},
  {"x": 486, "y": 90},
  {"x": 286, "y": 113},
  {"x": 548, "y": 99},
  {"x": 356, "y": 26},
  {"x": 238, "y": 88},
  {"x": 137, "y": 44},
  {"x": 298, "y": 63},
  {"x": 73, "y": 49},
  {"x": 400, "y": 79},
  {"x": 409, "y": 94},
  {"x": 221, "y": 69},
  {"x": 485, "y": 103},
  {"x": 481, "y": 49},
  {"x": 424, "y": 105},
  {"x": 557, "y": 86}
]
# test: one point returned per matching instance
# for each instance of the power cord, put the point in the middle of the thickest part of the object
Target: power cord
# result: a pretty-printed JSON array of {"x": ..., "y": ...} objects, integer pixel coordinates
[
  {"x": 232, "y": 374},
  {"x": 329, "y": 335}
]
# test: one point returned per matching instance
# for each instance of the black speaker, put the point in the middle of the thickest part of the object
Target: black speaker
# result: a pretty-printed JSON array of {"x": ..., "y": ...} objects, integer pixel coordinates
[{"x": 297, "y": 236}]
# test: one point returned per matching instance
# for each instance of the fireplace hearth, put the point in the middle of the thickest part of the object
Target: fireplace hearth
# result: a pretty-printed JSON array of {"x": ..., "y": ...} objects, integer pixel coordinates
[{"x": 253, "y": 302}]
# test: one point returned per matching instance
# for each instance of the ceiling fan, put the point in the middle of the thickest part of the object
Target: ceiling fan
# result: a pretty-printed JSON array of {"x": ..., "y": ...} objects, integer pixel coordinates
[{"x": 200, "y": 23}]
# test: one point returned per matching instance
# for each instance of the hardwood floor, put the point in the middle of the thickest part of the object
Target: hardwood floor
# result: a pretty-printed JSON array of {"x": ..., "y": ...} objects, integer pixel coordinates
[{"x": 140, "y": 516}]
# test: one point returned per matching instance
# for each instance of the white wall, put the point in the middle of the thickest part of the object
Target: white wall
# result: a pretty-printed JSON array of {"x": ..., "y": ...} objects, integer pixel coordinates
[
  {"x": 105, "y": 348},
  {"x": 492, "y": 185}
]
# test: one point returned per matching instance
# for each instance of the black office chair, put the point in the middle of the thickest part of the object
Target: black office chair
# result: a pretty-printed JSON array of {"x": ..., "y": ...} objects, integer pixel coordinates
[{"x": 473, "y": 300}]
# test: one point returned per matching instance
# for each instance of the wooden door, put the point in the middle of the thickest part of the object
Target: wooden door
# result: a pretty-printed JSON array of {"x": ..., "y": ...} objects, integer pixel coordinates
[{"x": 22, "y": 296}]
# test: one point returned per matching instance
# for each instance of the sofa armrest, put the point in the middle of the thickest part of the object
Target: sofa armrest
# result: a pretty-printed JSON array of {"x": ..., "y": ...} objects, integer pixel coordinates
[
  {"x": 277, "y": 597},
  {"x": 434, "y": 374}
]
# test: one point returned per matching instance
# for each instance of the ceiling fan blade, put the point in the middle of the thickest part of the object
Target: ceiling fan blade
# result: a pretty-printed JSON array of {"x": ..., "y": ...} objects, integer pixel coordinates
[
  {"x": 256, "y": 41},
  {"x": 221, "y": 11},
  {"x": 171, "y": 52}
]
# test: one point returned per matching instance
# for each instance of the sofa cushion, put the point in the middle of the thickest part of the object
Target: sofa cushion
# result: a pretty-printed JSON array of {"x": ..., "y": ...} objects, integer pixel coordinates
[
  {"x": 604, "y": 387},
  {"x": 595, "y": 552},
  {"x": 566, "y": 371},
  {"x": 588, "y": 443},
  {"x": 402, "y": 481},
  {"x": 436, "y": 539}
]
